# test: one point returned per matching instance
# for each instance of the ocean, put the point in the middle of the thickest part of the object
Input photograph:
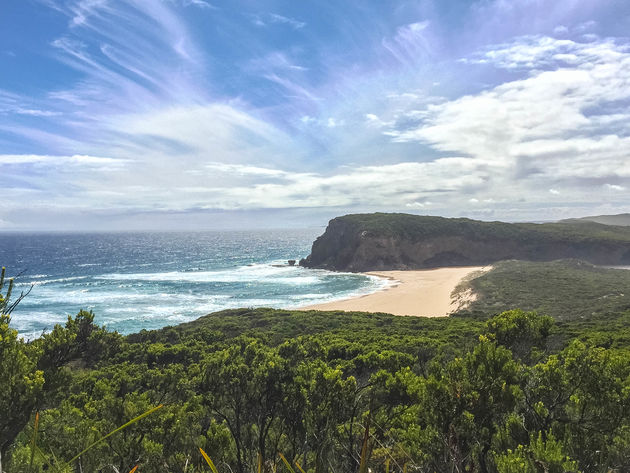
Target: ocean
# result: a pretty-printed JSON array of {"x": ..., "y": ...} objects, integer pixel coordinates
[{"x": 135, "y": 281}]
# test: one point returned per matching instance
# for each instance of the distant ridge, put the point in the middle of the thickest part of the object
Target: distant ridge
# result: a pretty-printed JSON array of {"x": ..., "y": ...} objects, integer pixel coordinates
[
  {"x": 620, "y": 220},
  {"x": 383, "y": 241}
]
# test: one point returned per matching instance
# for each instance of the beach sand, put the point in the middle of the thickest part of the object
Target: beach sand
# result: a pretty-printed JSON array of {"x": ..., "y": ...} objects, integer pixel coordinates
[{"x": 427, "y": 293}]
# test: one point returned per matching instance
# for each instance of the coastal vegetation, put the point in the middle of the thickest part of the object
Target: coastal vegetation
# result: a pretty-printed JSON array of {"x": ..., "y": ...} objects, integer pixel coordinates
[
  {"x": 327, "y": 391},
  {"x": 564, "y": 289}
]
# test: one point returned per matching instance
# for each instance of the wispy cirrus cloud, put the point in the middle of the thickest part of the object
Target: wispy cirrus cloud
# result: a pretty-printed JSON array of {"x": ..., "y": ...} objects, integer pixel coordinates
[
  {"x": 410, "y": 43},
  {"x": 274, "y": 18},
  {"x": 199, "y": 3}
]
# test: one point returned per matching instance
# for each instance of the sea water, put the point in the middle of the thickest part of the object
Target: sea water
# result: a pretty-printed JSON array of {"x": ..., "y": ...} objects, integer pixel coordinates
[{"x": 134, "y": 281}]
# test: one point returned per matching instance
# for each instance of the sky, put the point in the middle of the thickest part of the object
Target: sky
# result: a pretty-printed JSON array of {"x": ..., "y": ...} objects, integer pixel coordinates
[{"x": 217, "y": 114}]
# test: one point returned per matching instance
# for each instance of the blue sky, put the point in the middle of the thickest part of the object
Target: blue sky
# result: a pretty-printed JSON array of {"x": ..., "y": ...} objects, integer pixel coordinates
[{"x": 195, "y": 114}]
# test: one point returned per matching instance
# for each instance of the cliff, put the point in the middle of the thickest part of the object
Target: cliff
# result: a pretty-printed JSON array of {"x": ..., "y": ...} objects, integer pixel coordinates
[{"x": 367, "y": 242}]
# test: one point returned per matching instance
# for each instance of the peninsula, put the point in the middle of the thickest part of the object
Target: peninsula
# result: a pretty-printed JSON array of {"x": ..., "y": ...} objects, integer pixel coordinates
[{"x": 382, "y": 242}]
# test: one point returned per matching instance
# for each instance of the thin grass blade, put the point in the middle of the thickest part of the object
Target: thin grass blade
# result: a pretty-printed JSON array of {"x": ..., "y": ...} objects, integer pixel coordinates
[
  {"x": 364, "y": 448},
  {"x": 34, "y": 440},
  {"x": 208, "y": 461},
  {"x": 45, "y": 458},
  {"x": 286, "y": 462}
]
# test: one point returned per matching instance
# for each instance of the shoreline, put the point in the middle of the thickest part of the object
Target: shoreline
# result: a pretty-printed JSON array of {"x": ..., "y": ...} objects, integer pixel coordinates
[{"x": 419, "y": 293}]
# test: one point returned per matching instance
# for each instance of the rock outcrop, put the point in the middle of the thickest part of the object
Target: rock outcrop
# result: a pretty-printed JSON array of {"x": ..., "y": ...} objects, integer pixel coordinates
[{"x": 367, "y": 242}]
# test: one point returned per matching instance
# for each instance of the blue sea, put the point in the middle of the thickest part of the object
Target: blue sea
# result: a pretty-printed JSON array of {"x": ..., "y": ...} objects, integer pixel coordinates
[{"x": 135, "y": 281}]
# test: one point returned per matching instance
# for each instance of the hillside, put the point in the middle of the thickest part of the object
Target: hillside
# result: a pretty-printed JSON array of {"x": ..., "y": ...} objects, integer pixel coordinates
[
  {"x": 564, "y": 289},
  {"x": 380, "y": 241},
  {"x": 246, "y": 384},
  {"x": 621, "y": 220}
]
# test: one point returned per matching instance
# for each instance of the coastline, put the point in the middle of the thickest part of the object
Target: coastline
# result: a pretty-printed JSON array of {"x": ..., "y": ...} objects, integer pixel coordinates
[{"x": 419, "y": 293}]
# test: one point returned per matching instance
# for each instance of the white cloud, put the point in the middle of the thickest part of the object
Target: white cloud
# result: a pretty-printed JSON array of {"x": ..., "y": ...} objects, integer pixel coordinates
[
  {"x": 544, "y": 125},
  {"x": 218, "y": 185},
  {"x": 59, "y": 160},
  {"x": 36, "y": 113},
  {"x": 196, "y": 135},
  {"x": 388, "y": 185},
  {"x": 530, "y": 52},
  {"x": 418, "y": 205},
  {"x": 245, "y": 170},
  {"x": 614, "y": 187},
  {"x": 199, "y": 3},
  {"x": 127, "y": 54},
  {"x": 410, "y": 43},
  {"x": 561, "y": 30},
  {"x": 274, "y": 18}
]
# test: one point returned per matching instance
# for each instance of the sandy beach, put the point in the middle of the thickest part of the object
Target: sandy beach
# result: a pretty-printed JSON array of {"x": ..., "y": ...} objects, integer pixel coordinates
[{"x": 427, "y": 293}]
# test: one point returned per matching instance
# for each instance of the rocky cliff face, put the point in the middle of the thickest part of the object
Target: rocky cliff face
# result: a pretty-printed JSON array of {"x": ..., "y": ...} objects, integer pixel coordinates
[{"x": 398, "y": 241}]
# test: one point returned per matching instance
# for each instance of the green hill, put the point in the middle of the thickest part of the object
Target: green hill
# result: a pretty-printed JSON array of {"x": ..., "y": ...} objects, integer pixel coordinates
[{"x": 381, "y": 241}]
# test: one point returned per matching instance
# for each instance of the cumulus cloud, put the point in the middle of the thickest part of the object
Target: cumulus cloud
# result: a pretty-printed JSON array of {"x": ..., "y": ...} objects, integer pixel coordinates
[{"x": 554, "y": 125}]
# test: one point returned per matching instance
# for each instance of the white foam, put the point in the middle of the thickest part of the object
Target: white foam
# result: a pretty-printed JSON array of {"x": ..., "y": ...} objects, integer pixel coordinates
[
  {"x": 263, "y": 273},
  {"x": 300, "y": 297},
  {"x": 141, "y": 299},
  {"x": 377, "y": 284},
  {"x": 53, "y": 281}
]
